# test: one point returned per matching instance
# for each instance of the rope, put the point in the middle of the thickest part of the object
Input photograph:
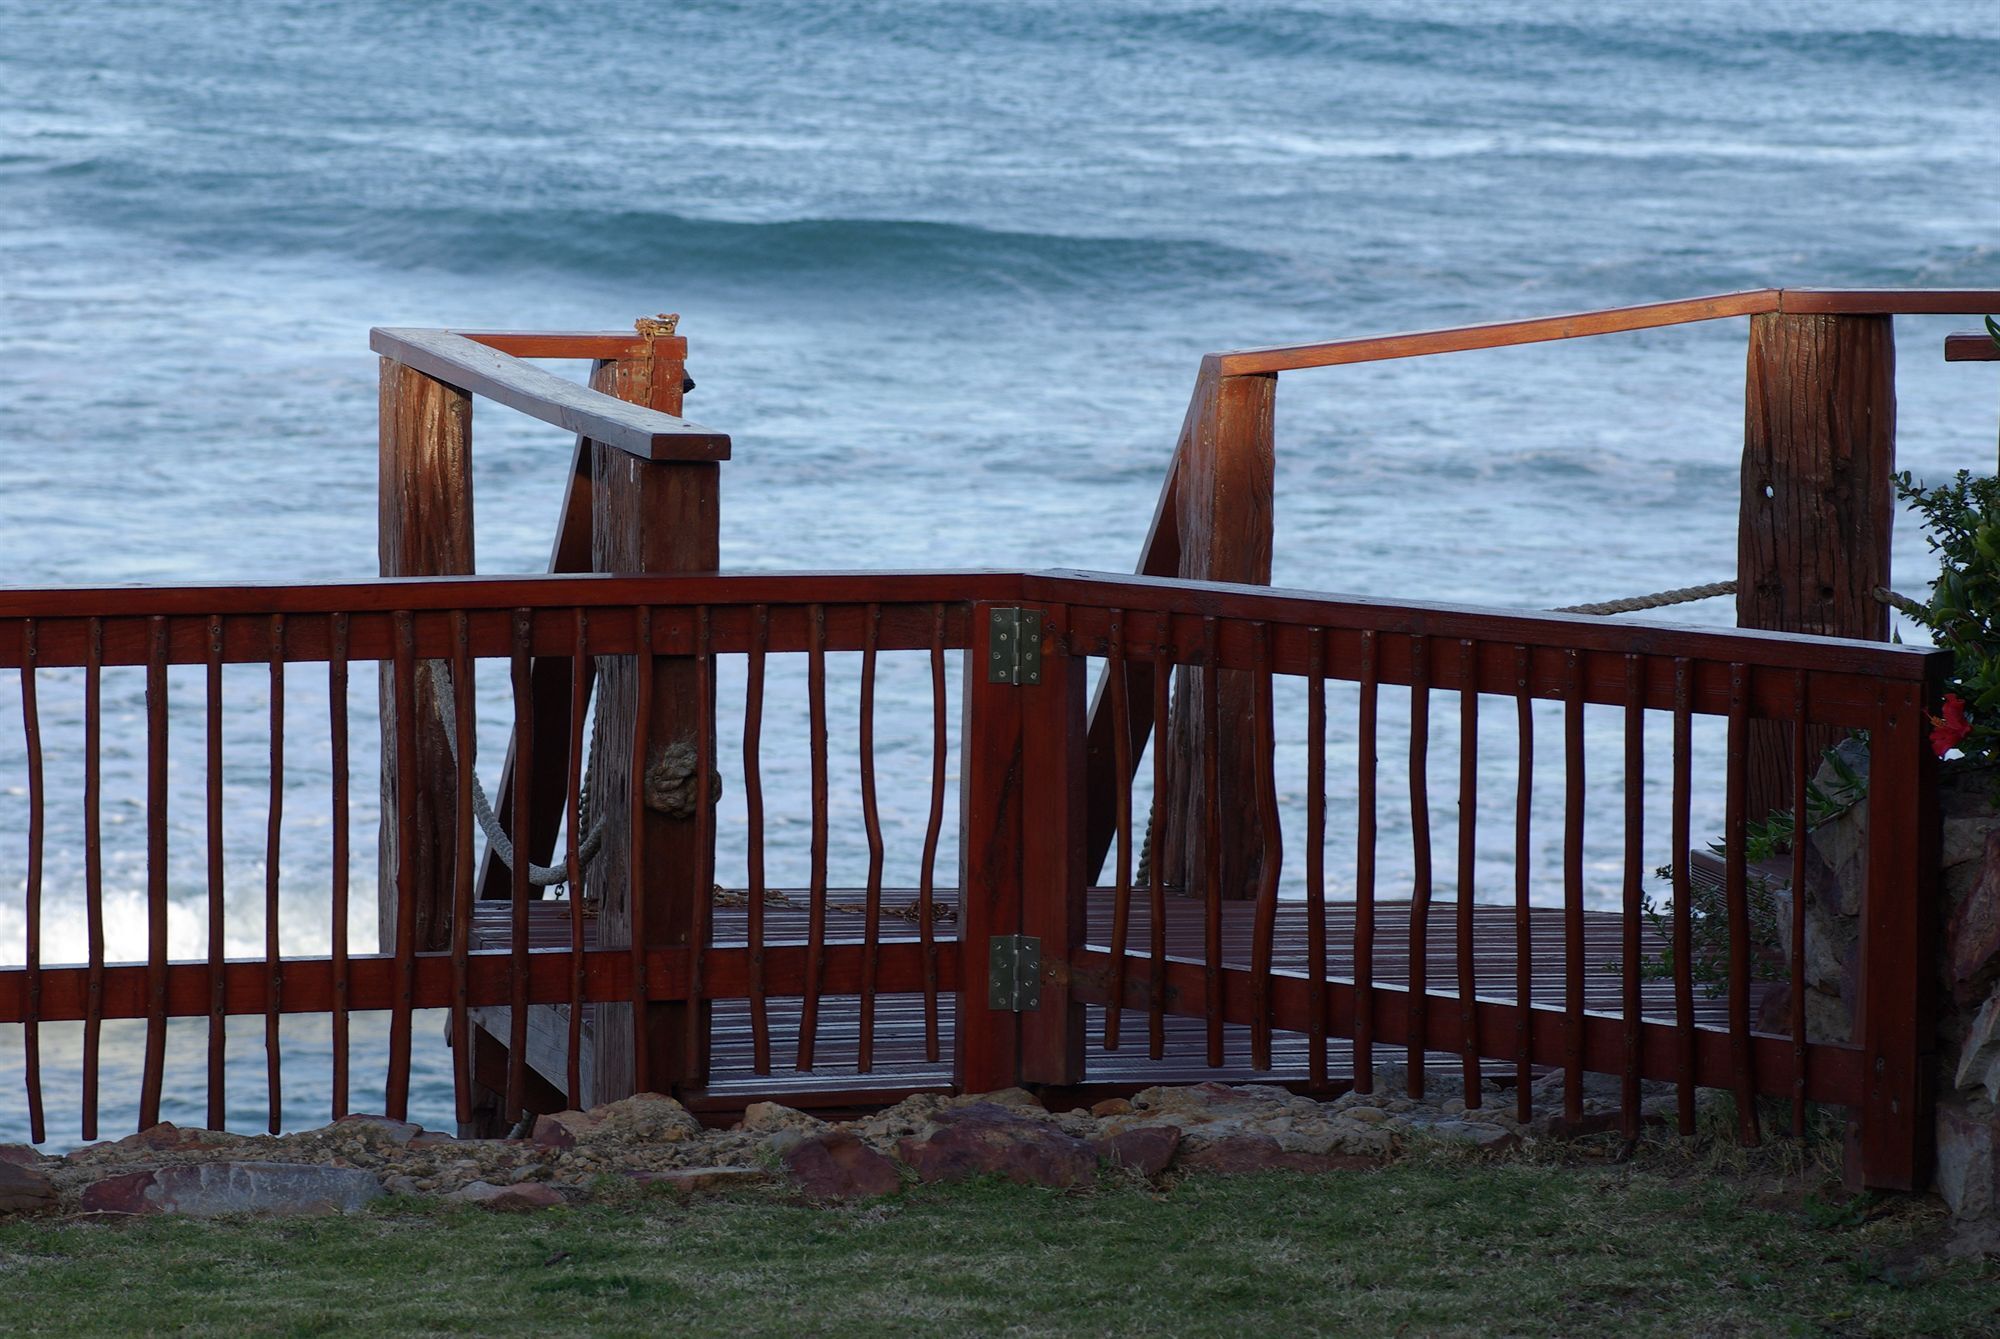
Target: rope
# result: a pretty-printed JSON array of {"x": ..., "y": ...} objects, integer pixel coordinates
[
  {"x": 1659, "y": 600},
  {"x": 1689, "y": 594},
  {"x": 539, "y": 876}
]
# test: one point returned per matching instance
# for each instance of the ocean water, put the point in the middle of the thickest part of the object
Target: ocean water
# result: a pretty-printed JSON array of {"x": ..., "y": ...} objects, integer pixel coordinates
[{"x": 947, "y": 271}]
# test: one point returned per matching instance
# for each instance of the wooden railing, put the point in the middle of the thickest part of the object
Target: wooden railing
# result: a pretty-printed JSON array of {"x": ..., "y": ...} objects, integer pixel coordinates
[
  {"x": 1813, "y": 532},
  {"x": 1024, "y": 791}
]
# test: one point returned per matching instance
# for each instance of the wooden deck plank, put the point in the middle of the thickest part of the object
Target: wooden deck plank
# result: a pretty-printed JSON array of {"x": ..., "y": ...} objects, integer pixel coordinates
[{"x": 899, "y": 1062}]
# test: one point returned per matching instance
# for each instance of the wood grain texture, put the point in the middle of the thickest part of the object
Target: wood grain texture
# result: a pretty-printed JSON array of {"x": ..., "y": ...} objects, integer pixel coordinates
[
  {"x": 649, "y": 517},
  {"x": 640, "y": 428},
  {"x": 1227, "y": 481},
  {"x": 424, "y": 529},
  {"x": 1817, "y": 500}
]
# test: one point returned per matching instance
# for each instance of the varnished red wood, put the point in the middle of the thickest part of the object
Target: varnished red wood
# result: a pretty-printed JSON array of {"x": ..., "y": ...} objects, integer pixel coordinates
[
  {"x": 156, "y": 877},
  {"x": 1420, "y": 857},
  {"x": 1573, "y": 793},
  {"x": 465, "y": 726},
  {"x": 1971, "y": 346},
  {"x": 871, "y": 821},
  {"x": 753, "y": 807},
  {"x": 933, "y": 830},
  {"x": 1683, "y": 946},
  {"x": 1212, "y": 844},
  {"x": 1316, "y": 1011},
  {"x": 521, "y": 678},
  {"x": 31, "y": 1046},
  {"x": 1524, "y": 810},
  {"x": 1468, "y": 865},
  {"x": 580, "y": 673},
  {"x": 1635, "y": 860},
  {"x": 1801, "y": 763},
  {"x": 1156, "y": 879},
  {"x": 817, "y": 746},
  {"x": 1269, "y": 867},
  {"x": 93, "y": 864},
  {"x": 1116, "y": 677},
  {"x": 695, "y": 1021},
  {"x": 1737, "y": 893},
  {"x": 635, "y": 866},
  {"x": 1364, "y": 871},
  {"x": 274, "y": 963},
  {"x": 339, "y": 856},
  {"x": 218, "y": 1036},
  {"x": 403, "y": 946}
]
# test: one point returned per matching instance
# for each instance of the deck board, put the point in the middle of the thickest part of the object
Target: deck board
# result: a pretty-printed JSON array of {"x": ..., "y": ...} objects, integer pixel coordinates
[{"x": 899, "y": 1052}]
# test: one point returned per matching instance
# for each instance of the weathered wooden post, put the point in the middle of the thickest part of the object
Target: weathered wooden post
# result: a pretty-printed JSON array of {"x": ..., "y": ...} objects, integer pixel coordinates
[
  {"x": 1819, "y": 447},
  {"x": 424, "y": 529},
  {"x": 1225, "y": 478},
  {"x": 650, "y": 516}
]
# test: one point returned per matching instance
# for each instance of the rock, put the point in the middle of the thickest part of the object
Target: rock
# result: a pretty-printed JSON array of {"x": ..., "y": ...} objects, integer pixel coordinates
[
  {"x": 1968, "y": 1170},
  {"x": 836, "y": 1165},
  {"x": 209, "y": 1189},
  {"x": 1148, "y": 1150},
  {"x": 1477, "y": 1133},
  {"x": 769, "y": 1117},
  {"x": 24, "y": 1189},
  {"x": 1240, "y": 1153},
  {"x": 166, "y": 1137},
  {"x": 988, "y": 1140},
  {"x": 1111, "y": 1106},
  {"x": 522, "y": 1198},
  {"x": 701, "y": 1180},
  {"x": 401, "y": 1185},
  {"x": 1972, "y": 936},
  {"x": 564, "y": 1129},
  {"x": 377, "y": 1129},
  {"x": 1003, "y": 1097},
  {"x": 1366, "y": 1115},
  {"x": 21, "y": 1155},
  {"x": 1979, "y": 1061},
  {"x": 652, "y": 1117}
]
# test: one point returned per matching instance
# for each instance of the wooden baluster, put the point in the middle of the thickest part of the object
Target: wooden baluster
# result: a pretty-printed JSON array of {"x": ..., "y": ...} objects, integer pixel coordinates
[
  {"x": 1420, "y": 847},
  {"x": 1635, "y": 856},
  {"x": 465, "y": 728},
  {"x": 31, "y": 1044},
  {"x": 218, "y": 1025},
  {"x": 1263, "y": 940},
  {"x": 871, "y": 930},
  {"x": 816, "y": 896},
  {"x": 1683, "y": 930},
  {"x": 336, "y": 705},
  {"x": 1316, "y": 992},
  {"x": 274, "y": 968},
  {"x": 93, "y": 868},
  {"x": 753, "y": 806},
  {"x": 1573, "y": 793},
  {"x": 1524, "y": 925},
  {"x": 1121, "y": 782},
  {"x": 156, "y": 873},
  {"x": 933, "y": 830},
  {"x": 1364, "y": 873},
  {"x": 1468, "y": 856}
]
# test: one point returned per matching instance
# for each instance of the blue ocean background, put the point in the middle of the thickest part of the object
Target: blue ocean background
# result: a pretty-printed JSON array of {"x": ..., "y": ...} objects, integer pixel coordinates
[{"x": 947, "y": 271}]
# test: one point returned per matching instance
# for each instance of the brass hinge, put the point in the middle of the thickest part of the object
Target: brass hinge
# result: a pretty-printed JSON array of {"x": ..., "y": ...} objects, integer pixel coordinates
[
  {"x": 1016, "y": 638},
  {"x": 1014, "y": 973}
]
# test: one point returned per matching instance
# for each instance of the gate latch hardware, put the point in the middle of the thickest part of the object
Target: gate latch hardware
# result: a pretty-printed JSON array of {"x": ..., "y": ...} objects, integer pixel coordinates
[
  {"x": 1016, "y": 656},
  {"x": 1014, "y": 972}
]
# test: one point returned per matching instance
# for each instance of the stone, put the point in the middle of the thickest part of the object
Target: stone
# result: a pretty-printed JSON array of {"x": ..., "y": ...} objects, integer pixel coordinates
[
  {"x": 24, "y": 1189},
  {"x": 1480, "y": 1134},
  {"x": 377, "y": 1129},
  {"x": 1146, "y": 1151},
  {"x": 837, "y": 1165},
  {"x": 769, "y": 1117},
  {"x": 21, "y": 1155},
  {"x": 564, "y": 1129},
  {"x": 1003, "y": 1097},
  {"x": 400, "y": 1184},
  {"x": 652, "y": 1117},
  {"x": 524, "y": 1197},
  {"x": 1968, "y": 1140},
  {"x": 1979, "y": 1061},
  {"x": 701, "y": 1180},
  {"x": 166, "y": 1137},
  {"x": 1111, "y": 1106},
  {"x": 1236, "y": 1154},
  {"x": 1972, "y": 935},
  {"x": 983, "y": 1139},
  {"x": 210, "y": 1189}
]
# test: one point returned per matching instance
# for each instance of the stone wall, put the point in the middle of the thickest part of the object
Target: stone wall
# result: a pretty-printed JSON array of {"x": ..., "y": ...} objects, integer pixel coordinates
[{"x": 1968, "y": 1109}]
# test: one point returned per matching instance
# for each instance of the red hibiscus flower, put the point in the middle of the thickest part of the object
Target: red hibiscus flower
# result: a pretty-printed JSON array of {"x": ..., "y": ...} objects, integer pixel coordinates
[{"x": 1949, "y": 730}]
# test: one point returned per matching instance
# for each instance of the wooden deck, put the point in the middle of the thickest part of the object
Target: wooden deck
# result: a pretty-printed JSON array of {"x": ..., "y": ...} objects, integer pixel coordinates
[{"x": 900, "y": 1066}]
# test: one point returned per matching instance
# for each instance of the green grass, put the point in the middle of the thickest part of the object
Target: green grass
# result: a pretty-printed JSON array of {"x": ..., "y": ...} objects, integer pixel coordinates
[{"x": 1433, "y": 1245}]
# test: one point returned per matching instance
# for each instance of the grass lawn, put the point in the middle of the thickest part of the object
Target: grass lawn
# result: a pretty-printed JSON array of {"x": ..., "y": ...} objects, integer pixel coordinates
[{"x": 1432, "y": 1245}]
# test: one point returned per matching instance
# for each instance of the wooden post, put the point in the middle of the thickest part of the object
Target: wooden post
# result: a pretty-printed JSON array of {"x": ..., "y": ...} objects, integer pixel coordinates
[
  {"x": 1819, "y": 447},
  {"x": 649, "y": 516},
  {"x": 1226, "y": 477},
  {"x": 424, "y": 529},
  {"x": 1053, "y": 910},
  {"x": 987, "y": 1055},
  {"x": 1897, "y": 1002}
]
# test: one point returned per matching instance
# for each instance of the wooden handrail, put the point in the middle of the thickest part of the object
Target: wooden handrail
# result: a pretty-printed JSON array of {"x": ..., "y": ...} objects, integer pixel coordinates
[
  {"x": 1971, "y": 346},
  {"x": 480, "y": 369},
  {"x": 1535, "y": 330}
]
